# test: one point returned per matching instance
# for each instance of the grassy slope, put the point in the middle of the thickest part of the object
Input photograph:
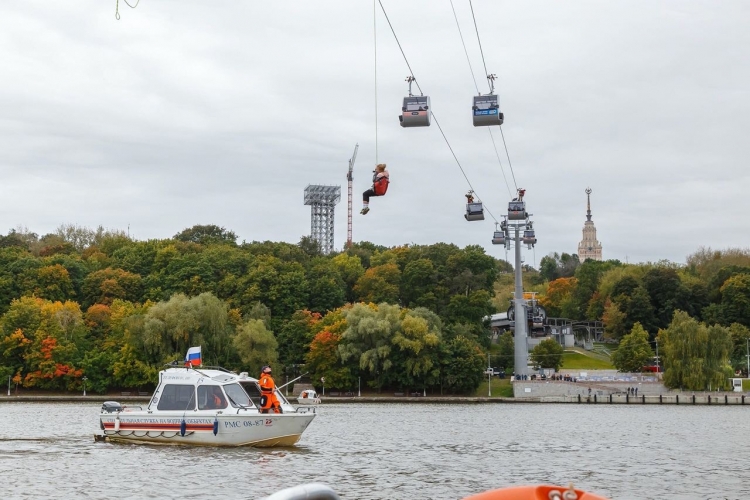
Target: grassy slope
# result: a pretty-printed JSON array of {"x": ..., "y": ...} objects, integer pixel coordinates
[{"x": 580, "y": 361}]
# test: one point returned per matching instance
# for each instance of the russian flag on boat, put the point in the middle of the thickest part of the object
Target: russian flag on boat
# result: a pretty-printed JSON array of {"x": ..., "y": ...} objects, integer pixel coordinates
[{"x": 193, "y": 356}]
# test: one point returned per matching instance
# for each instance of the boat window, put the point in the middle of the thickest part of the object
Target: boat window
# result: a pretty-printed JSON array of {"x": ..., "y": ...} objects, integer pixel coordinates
[
  {"x": 252, "y": 390},
  {"x": 177, "y": 397},
  {"x": 237, "y": 397},
  {"x": 210, "y": 397}
]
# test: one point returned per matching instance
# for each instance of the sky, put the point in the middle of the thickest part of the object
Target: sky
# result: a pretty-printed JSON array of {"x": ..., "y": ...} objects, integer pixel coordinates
[{"x": 183, "y": 113}]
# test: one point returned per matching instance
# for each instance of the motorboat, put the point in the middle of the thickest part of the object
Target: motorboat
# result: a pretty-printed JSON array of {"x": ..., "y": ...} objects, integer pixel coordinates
[
  {"x": 308, "y": 397},
  {"x": 207, "y": 407}
]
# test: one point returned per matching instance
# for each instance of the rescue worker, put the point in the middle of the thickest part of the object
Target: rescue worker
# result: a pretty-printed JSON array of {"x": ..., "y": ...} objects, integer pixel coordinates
[
  {"x": 268, "y": 399},
  {"x": 380, "y": 181},
  {"x": 215, "y": 399},
  {"x": 469, "y": 197}
]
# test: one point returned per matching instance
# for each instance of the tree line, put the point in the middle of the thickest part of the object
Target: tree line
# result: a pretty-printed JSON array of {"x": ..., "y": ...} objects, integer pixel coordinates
[
  {"x": 101, "y": 305},
  {"x": 698, "y": 313}
]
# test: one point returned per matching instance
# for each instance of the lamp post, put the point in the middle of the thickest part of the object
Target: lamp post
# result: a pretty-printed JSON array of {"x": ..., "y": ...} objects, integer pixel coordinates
[
  {"x": 84, "y": 385},
  {"x": 359, "y": 386},
  {"x": 657, "y": 357},
  {"x": 323, "y": 380},
  {"x": 8, "y": 385}
]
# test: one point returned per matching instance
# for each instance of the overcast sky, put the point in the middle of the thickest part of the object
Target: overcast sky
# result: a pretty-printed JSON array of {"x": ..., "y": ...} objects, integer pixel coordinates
[{"x": 222, "y": 112}]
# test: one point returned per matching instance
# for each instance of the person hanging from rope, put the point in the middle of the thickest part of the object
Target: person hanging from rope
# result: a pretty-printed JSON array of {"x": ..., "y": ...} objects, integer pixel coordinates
[
  {"x": 380, "y": 181},
  {"x": 268, "y": 399},
  {"x": 469, "y": 197}
]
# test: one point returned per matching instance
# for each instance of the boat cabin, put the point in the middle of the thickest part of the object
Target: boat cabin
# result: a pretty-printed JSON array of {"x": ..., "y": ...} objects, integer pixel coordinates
[
  {"x": 415, "y": 111},
  {"x": 486, "y": 111},
  {"x": 474, "y": 211}
]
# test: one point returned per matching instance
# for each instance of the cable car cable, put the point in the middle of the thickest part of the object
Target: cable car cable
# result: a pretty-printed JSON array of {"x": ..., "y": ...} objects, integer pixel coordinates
[
  {"x": 474, "y": 78},
  {"x": 400, "y": 48},
  {"x": 480, "y": 41},
  {"x": 508, "y": 156},
  {"x": 431, "y": 112},
  {"x": 459, "y": 165},
  {"x": 375, "y": 44},
  {"x": 485, "y": 69}
]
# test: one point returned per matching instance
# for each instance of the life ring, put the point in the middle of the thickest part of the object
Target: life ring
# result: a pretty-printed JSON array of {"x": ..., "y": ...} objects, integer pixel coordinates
[{"x": 542, "y": 492}]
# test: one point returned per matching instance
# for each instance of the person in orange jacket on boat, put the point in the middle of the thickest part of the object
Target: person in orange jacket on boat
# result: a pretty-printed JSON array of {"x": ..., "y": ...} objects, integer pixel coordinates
[{"x": 268, "y": 399}]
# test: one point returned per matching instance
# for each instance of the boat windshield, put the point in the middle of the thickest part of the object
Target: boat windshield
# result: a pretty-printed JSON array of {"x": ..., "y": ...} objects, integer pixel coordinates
[{"x": 237, "y": 397}]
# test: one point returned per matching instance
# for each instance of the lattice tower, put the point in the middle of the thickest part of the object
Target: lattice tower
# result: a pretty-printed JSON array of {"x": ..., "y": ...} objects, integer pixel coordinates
[{"x": 322, "y": 201}]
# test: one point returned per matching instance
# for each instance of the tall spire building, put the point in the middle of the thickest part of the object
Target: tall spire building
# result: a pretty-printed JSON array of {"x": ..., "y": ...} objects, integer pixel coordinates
[{"x": 589, "y": 247}]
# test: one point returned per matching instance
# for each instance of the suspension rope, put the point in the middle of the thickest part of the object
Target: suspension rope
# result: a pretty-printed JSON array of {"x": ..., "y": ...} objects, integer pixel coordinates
[
  {"x": 459, "y": 165},
  {"x": 375, "y": 44},
  {"x": 474, "y": 78},
  {"x": 480, "y": 41},
  {"x": 508, "y": 155},
  {"x": 502, "y": 170},
  {"x": 399, "y": 46},
  {"x": 510, "y": 165},
  {"x": 465, "y": 51}
]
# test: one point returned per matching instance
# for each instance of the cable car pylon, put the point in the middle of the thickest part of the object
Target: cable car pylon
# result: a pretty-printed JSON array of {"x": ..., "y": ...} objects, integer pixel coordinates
[{"x": 350, "y": 180}]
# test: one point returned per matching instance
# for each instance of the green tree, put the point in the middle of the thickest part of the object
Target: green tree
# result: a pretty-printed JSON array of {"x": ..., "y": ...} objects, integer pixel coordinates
[
  {"x": 462, "y": 365},
  {"x": 547, "y": 354},
  {"x": 369, "y": 339},
  {"x": 506, "y": 352},
  {"x": 740, "y": 335},
  {"x": 295, "y": 336},
  {"x": 206, "y": 234},
  {"x": 323, "y": 360},
  {"x": 327, "y": 289},
  {"x": 634, "y": 351},
  {"x": 695, "y": 357},
  {"x": 350, "y": 269},
  {"x": 109, "y": 284},
  {"x": 379, "y": 284},
  {"x": 735, "y": 300},
  {"x": 256, "y": 345}
]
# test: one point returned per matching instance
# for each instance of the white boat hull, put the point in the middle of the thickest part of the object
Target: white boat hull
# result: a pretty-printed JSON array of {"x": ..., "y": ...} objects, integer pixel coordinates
[{"x": 205, "y": 428}]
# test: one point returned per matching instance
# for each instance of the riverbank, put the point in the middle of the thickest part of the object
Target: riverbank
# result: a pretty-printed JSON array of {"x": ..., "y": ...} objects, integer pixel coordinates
[{"x": 725, "y": 399}]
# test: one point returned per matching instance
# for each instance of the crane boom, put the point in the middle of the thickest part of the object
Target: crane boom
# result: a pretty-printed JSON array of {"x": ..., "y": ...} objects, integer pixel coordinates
[{"x": 350, "y": 179}]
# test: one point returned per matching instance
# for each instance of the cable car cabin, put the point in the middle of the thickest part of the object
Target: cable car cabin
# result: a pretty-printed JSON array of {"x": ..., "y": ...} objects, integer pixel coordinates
[
  {"x": 474, "y": 211},
  {"x": 528, "y": 237},
  {"x": 415, "y": 112},
  {"x": 487, "y": 111},
  {"x": 517, "y": 210},
  {"x": 498, "y": 238}
]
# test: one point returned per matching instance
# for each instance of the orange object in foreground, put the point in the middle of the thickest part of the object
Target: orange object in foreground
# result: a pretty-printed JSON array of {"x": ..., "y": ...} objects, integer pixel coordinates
[{"x": 544, "y": 492}]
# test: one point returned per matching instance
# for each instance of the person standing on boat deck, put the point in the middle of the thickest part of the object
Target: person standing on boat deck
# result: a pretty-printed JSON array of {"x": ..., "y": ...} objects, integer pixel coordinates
[{"x": 268, "y": 399}]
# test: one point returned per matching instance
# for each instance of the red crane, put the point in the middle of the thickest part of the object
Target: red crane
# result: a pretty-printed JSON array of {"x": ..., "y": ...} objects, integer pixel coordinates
[{"x": 350, "y": 179}]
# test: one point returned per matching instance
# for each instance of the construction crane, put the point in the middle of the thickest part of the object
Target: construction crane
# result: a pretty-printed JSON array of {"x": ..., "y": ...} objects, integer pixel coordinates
[{"x": 350, "y": 179}]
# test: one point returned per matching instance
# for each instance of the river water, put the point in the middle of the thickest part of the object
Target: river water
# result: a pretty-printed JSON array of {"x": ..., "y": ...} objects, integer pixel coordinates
[{"x": 396, "y": 451}]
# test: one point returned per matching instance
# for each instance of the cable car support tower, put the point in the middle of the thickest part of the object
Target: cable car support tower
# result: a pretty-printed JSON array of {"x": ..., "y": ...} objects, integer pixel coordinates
[
  {"x": 518, "y": 220},
  {"x": 349, "y": 181}
]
